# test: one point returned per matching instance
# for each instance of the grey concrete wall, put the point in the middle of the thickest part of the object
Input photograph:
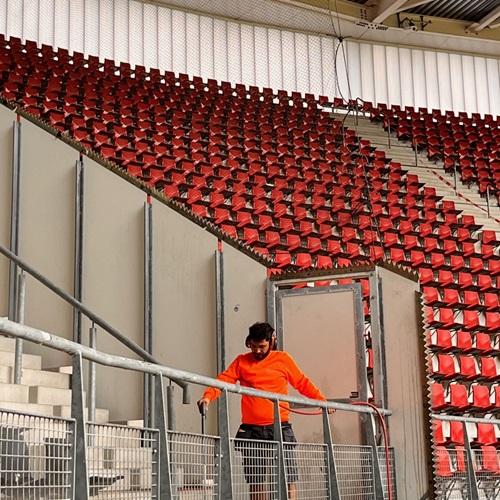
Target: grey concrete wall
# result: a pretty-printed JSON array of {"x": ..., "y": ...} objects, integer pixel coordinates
[
  {"x": 113, "y": 279},
  {"x": 245, "y": 303},
  {"x": 405, "y": 375},
  {"x": 7, "y": 118},
  {"x": 46, "y": 223},
  {"x": 184, "y": 271}
]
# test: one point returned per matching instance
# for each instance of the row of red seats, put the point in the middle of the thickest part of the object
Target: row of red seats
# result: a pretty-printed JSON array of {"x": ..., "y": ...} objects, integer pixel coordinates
[
  {"x": 475, "y": 398},
  {"x": 469, "y": 145},
  {"x": 452, "y": 433},
  {"x": 463, "y": 341},
  {"x": 465, "y": 367}
]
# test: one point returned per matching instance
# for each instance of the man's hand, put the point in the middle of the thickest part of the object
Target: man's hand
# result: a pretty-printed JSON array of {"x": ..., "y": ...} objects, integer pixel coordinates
[
  {"x": 331, "y": 411},
  {"x": 203, "y": 405}
]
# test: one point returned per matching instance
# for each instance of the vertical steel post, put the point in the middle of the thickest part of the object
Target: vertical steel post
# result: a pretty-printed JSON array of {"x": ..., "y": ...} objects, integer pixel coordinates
[
  {"x": 332, "y": 481},
  {"x": 219, "y": 304},
  {"x": 471, "y": 473},
  {"x": 21, "y": 297},
  {"x": 278, "y": 436},
  {"x": 225, "y": 478},
  {"x": 487, "y": 199},
  {"x": 148, "y": 309},
  {"x": 77, "y": 413},
  {"x": 78, "y": 257},
  {"x": 164, "y": 478},
  {"x": 377, "y": 471},
  {"x": 156, "y": 467},
  {"x": 14, "y": 215},
  {"x": 172, "y": 424},
  {"x": 92, "y": 374},
  {"x": 377, "y": 324},
  {"x": 455, "y": 177},
  {"x": 71, "y": 467},
  {"x": 389, "y": 133},
  {"x": 271, "y": 303}
]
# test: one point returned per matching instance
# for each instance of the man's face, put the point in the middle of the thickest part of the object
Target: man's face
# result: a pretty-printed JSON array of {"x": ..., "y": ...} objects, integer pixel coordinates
[{"x": 260, "y": 348}]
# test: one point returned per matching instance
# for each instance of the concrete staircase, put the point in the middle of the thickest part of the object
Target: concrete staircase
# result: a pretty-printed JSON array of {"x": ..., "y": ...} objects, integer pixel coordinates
[
  {"x": 432, "y": 174},
  {"x": 118, "y": 461},
  {"x": 41, "y": 392}
]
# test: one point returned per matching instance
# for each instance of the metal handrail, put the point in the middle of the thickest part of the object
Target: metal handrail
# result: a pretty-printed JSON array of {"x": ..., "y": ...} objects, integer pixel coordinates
[
  {"x": 30, "y": 334},
  {"x": 136, "y": 348}
]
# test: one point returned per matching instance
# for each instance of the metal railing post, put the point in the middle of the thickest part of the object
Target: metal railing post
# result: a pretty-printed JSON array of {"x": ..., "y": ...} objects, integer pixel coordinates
[
  {"x": 332, "y": 480},
  {"x": 79, "y": 237},
  {"x": 455, "y": 177},
  {"x": 21, "y": 297},
  {"x": 77, "y": 412},
  {"x": 14, "y": 215},
  {"x": 92, "y": 374},
  {"x": 487, "y": 200},
  {"x": 219, "y": 308},
  {"x": 156, "y": 467},
  {"x": 389, "y": 133},
  {"x": 71, "y": 440},
  {"x": 377, "y": 471},
  {"x": 225, "y": 478},
  {"x": 171, "y": 420},
  {"x": 148, "y": 309},
  {"x": 471, "y": 473},
  {"x": 278, "y": 436},
  {"x": 164, "y": 473}
]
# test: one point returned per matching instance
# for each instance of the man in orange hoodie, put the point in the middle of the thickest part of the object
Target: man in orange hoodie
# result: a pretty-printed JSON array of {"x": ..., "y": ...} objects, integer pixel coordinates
[{"x": 266, "y": 369}]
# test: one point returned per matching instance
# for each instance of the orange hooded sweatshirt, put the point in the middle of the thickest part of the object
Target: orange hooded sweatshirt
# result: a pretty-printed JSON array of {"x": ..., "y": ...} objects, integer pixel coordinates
[{"x": 273, "y": 374}]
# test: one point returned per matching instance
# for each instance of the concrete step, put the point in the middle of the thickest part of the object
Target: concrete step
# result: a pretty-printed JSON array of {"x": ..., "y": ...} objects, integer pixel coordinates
[
  {"x": 101, "y": 414},
  {"x": 44, "y": 410},
  {"x": 139, "y": 424},
  {"x": 34, "y": 377},
  {"x": 50, "y": 396},
  {"x": 53, "y": 380},
  {"x": 7, "y": 344},
  {"x": 68, "y": 370},
  {"x": 14, "y": 393},
  {"x": 29, "y": 360}
]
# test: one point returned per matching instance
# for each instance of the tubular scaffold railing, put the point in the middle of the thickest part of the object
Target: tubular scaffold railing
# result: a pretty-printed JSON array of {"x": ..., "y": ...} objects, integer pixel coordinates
[{"x": 74, "y": 458}]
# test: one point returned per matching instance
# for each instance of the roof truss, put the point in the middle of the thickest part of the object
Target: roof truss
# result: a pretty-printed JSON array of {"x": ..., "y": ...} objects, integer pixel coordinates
[
  {"x": 487, "y": 21},
  {"x": 382, "y": 9}
]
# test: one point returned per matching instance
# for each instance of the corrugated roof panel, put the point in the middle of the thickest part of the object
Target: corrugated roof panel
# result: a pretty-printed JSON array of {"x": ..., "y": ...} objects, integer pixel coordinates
[{"x": 466, "y": 10}]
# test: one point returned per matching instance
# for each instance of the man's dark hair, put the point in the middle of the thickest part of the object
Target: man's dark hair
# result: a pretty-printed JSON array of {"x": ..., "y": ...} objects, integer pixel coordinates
[{"x": 260, "y": 331}]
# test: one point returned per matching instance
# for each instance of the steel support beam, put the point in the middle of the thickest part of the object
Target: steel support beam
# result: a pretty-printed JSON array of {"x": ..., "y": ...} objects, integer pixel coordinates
[
  {"x": 164, "y": 478},
  {"x": 332, "y": 481},
  {"x": 471, "y": 473},
  {"x": 386, "y": 8},
  {"x": 77, "y": 413},
  {"x": 278, "y": 436},
  {"x": 78, "y": 257},
  {"x": 148, "y": 309},
  {"x": 486, "y": 21},
  {"x": 377, "y": 471},
  {"x": 410, "y": 4},
  {"x": 18, "y": 357},
  {"x": 14, "y": 215},
  {"x": 92, "y": 374},
  {"x": 220, "y": 310},
  {"x": 225, "y": 472}
]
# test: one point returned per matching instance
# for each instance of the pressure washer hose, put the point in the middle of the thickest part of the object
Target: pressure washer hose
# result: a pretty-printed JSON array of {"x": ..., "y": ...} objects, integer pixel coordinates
[{"x": 384, "y": 433}]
